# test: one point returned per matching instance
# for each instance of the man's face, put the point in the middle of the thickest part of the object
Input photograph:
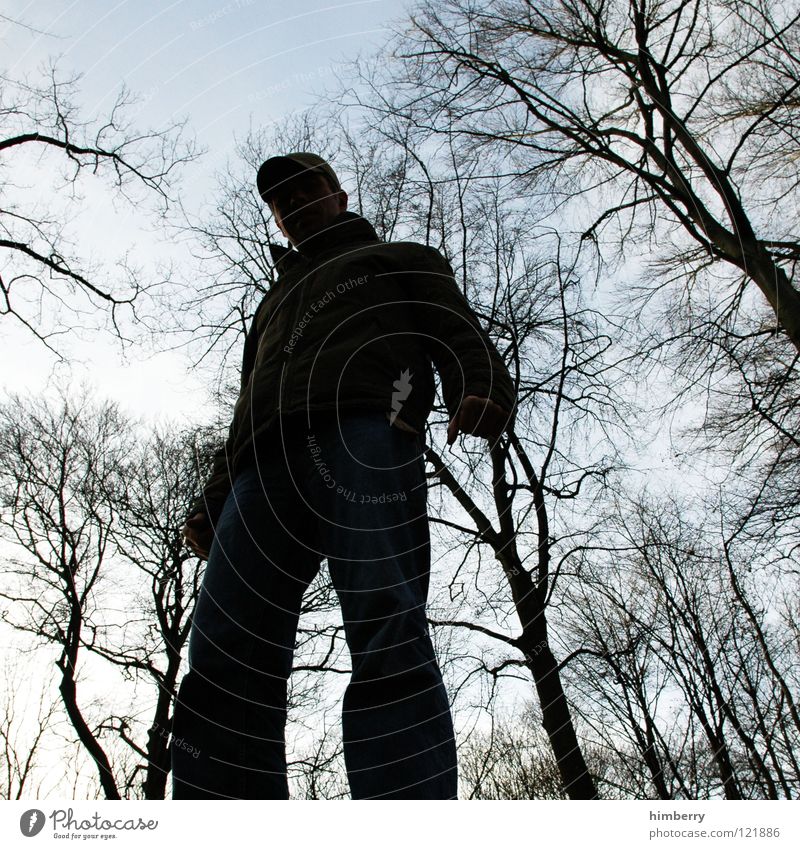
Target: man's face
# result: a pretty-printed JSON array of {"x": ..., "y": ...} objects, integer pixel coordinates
[{"x": 305, "y": 205}]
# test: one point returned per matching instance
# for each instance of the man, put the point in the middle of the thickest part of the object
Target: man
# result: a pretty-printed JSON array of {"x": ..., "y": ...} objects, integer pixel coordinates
[{"x": 325, "y": 459}]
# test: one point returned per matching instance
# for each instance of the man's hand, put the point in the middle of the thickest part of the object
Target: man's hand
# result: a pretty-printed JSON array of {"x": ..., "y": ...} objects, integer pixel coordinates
[
  {"x": 479, "y": 417},
  {"x": 198, "y": 534}
]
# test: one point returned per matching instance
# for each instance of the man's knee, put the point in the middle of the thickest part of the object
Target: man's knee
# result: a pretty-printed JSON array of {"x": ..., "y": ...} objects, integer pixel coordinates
[{"x": 393, "y": 646}]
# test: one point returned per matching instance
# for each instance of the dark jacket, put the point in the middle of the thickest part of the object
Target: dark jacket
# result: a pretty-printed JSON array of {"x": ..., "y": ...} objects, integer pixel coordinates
[{"x": 353, "y": 323}]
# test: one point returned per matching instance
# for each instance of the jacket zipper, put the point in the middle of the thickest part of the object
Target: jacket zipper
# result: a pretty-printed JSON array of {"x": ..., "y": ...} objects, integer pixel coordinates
[{"x": 297, "y": 292}]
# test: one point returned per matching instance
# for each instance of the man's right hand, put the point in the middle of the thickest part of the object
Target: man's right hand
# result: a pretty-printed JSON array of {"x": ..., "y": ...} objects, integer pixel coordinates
[{"x": 199, "y": 534}]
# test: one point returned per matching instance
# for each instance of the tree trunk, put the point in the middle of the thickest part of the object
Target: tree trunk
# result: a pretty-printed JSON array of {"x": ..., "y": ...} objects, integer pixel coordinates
[
  {"x": 67, "y": 690},
  {"x": 556, "y": 716}
]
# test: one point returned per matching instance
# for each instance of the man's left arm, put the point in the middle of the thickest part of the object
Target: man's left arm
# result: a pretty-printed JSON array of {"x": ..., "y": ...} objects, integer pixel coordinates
[{"x": 477, "y": 388}]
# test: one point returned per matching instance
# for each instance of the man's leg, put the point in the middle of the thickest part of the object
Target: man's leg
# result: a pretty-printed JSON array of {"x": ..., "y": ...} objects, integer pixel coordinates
[
  {"x": 230, "y": 714},
  {"x": 370, "y": 498}
]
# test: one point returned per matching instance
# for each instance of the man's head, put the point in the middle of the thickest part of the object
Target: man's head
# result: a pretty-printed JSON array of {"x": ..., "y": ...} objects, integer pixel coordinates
[{"x": 303, "y": 193}]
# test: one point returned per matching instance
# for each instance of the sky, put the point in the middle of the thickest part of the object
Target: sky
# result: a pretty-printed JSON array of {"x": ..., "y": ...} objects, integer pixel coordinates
[{"x": 224, "y": 66}]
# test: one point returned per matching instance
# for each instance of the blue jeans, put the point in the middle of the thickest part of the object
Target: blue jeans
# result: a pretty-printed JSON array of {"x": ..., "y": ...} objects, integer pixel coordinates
[{"x": 351, "y": 489}]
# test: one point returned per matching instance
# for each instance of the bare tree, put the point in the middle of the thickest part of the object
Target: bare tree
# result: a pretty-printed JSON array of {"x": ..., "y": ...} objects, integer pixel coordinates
[
  {"x": 159, "y": 481},
  {"x": 679, "y": 658},
  {"x": 48, "y": 284},
  {"x": 229, "y": 241},
  {"x": 510, "y": 760},
  {"x": 639, "y": 106},
  {"x": 58, "y": 465},
  {"x": 21, "y": 735},
  {"x": 660, "y": 133},
  {"x": 318, "y": 770},
  {"x": 508, "y": 756},
  {"x": 94, "y": 510}
]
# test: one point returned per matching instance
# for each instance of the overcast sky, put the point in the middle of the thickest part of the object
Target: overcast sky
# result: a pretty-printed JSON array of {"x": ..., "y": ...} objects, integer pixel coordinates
[{"x": 223, "y": 65}]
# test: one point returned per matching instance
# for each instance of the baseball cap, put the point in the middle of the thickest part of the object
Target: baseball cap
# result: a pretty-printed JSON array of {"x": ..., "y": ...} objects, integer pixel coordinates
[{"x": 277, "y": 169}]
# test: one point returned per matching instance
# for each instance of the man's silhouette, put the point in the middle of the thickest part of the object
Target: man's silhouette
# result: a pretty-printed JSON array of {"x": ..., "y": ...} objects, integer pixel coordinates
[{"x": 325, "y": 459}]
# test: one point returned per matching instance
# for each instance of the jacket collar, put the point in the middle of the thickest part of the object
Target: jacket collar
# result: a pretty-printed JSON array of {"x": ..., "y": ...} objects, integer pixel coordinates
[{"x": 346, "y": 228}]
